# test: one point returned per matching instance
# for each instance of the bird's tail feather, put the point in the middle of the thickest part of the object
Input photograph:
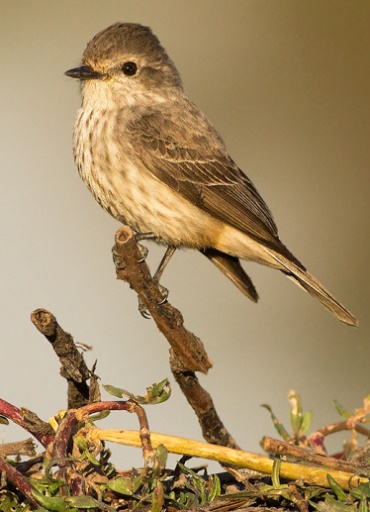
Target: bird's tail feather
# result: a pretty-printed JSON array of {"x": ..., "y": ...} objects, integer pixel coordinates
[
  {"x": 231, "y": 267},
  {"x": 314, "y": 288}
]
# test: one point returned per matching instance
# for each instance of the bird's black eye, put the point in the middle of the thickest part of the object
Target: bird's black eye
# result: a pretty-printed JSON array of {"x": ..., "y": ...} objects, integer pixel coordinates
[{"x": 129, "y": 68}]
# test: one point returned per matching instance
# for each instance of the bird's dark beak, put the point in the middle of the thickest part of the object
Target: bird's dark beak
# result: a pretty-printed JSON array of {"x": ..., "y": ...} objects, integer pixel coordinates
[{"x": 84, "y": 73}]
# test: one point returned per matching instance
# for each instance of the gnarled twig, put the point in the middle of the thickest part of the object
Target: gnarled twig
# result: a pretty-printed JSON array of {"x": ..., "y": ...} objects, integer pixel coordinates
[
  {"x": 213, "y": 429},
  {"x": 73, "y": 368},
  {"x": 130, "y": 267},
  {"x": 278, "y": 447},
  {"x": 187, "y": 351}
]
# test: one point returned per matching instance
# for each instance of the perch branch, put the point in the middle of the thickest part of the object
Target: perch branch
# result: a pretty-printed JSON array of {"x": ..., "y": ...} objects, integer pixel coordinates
[
  {"x": 130, "y": 267},
  {"x": 201, "y": 401},
  {"x": 187, "y": 353}
]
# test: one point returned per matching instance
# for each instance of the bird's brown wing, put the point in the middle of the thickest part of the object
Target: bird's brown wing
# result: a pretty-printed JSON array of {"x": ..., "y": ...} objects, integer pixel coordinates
[
  {"x": 203, "y": 173},
  {"x": 196, "y": 165}
]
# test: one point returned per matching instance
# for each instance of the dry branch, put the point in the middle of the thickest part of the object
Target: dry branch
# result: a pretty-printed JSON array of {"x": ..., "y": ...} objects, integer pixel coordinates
[
  {"x": 28, "y": 420},
  {"x": 278, "y": 447},
  {"x": 213, "y": 429},
  {"x": 130, "y": 267},
  {"x": 18, "y": 480},
  {"x": 187, "y": 353},
  {"x": 26, "y": 447},
  {"x": 73, "y": 368}
]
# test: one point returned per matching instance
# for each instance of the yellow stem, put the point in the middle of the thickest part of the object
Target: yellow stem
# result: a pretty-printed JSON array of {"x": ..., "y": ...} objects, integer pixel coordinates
[{"x": 293, "y": 471}]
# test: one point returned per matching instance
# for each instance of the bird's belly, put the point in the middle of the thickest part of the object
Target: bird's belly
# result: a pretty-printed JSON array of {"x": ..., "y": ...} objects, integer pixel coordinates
[
  {"x": 147, "y": 205},
  {"x": 123, "y": 186},
  {"x": 129, "y": 192},
  {"x": 136, "y": 198}
]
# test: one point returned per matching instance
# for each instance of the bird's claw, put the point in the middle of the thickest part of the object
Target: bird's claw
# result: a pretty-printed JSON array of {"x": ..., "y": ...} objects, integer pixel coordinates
[
  {"x": 144, "y": 312},
  {"x": 144, "y": 253},
  {"x": 164, "y": 293},
  {"x": 117, "y": 260}
]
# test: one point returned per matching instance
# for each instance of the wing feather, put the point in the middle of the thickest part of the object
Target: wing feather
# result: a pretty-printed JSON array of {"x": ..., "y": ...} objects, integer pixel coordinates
[{"x": 194, "y": 162}]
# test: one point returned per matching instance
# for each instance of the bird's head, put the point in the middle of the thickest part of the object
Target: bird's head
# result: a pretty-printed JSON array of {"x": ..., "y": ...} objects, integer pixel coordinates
[{"x": 125, "y": 64}]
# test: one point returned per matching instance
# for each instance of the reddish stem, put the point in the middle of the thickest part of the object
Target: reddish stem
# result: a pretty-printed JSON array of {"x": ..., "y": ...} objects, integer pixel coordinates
[
  {"x": 17, "y": 416},
  {"x": 18, "y": 480},
  {"x": 65, "y": 429}
]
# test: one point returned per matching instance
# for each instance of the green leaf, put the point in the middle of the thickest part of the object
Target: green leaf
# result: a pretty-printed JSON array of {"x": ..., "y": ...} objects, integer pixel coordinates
[
  {"x": 160, "y": 459},
  {"x": 81, "y": 443},
  {"x": 99, "y": 416},
  {"x": 275, "y": 475},
  {"x": 338, "y": 491},
  {"x": 157, "y": 497},
  {"x": 121, "y": 486},
  {"x": 10, "y": 502},
  {"x": 88, "y": 502},
  {"x": 50, "y": 502},
  {"x": 296, "y": 412},
  {"x": 215, "y": 490},
  {"x": 341, "y": 410},
  {"x": 306, "y": 422},
  {"x": 361, "y": 491},
  {"x": 4, "y": 420},
  {"x": 337, "y": 506},
  {"x": 156, "y": 393},
  {"x": 126, "y": 486},
  {"x": 84, "y": 448},
  {"x": 363, "y": 505},
  {"x": 46, "y": 485},
  {"x": 118, "y": 392},
  {"x": 187, "y": 500},
  {"x": 204, "y": 490},
  {"x": 277, "y": 423}
]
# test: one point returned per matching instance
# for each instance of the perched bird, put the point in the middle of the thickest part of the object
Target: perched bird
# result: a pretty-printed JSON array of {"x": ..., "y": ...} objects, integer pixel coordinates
[{"x": 153, "y": 160}]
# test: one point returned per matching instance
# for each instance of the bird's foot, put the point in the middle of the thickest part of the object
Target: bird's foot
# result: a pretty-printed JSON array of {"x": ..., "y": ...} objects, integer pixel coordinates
[
  {"x": 164, "y": 293},
  {"x": 144, "y": 253},
  {"x": 117, "y": 260},
  {"x": 139, "y": 237},
  {"x": 144, "y": 311}
]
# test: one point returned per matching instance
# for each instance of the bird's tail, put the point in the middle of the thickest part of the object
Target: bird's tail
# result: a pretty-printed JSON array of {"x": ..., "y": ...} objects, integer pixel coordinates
[
  {"x": 309, "y": 283},
  {"x": 231, "y": 267}
]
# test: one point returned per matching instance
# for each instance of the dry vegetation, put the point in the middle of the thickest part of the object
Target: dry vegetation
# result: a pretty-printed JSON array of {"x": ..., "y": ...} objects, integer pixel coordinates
[{"x": 73, "y": 471}]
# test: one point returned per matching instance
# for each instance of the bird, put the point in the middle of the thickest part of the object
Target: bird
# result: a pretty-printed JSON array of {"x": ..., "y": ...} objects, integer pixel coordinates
[{"x": 154, "y": 161}]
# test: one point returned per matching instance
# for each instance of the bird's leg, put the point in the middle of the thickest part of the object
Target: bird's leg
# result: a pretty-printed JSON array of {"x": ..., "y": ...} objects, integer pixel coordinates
[
  {"x": 156, "y": 277},
  {"x": 146, "y": 236},
  {"x": 139, "y": 237},
  {"x": 164, "y": 261}
]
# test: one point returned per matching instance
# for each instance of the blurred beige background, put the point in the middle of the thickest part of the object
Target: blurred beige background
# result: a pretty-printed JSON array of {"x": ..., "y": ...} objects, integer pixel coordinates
[{"x": 287, "y": 84}]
